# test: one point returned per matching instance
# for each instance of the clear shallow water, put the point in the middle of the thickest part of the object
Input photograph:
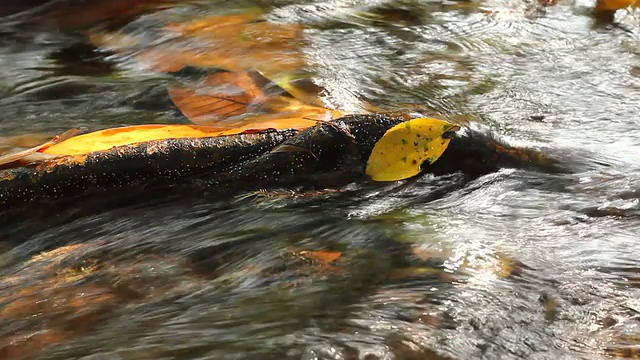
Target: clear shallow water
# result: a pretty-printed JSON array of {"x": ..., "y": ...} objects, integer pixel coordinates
[{"x": 516, "y": 264}]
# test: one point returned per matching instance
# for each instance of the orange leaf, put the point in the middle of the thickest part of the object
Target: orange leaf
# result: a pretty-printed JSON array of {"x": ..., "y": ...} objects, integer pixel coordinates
[
  {"x": 227, "y": 58},
  {"x": 613, "y": 5},
  {"x": 270, "y": 121},
  {"x": 220, "y": 96},
  {"x": 241, "y": 30},
  {"x": 292, "y": 117},
  {"x": 232, "y": 42},
  {"x": 211, "y": 23},
  {"x": 322, "y": 256},
  {"x": 238, "y": 101}
]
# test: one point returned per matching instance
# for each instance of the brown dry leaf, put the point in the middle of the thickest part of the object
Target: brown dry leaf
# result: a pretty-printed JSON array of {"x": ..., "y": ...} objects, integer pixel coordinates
[{"x": 279, "y": 113}]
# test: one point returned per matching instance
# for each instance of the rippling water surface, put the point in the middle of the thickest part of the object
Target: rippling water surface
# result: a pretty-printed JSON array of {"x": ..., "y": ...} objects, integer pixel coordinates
[{"x": 513, "y": 265}]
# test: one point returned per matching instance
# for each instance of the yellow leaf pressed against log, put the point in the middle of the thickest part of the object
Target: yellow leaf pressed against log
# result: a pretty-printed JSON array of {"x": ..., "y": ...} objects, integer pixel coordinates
[
  {"x": 405, "y": 147},
  {"x": 106, "y": 139}
]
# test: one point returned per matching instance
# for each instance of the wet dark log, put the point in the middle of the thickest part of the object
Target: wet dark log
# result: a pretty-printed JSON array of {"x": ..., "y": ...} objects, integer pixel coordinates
[
  {"x": 324, "y": 156},
  {"x": 328, "y": 155},
  {"x": 149, "y": 163},
  {"x": 476, "y": 151},
  {"x": 334, "y": 155}
]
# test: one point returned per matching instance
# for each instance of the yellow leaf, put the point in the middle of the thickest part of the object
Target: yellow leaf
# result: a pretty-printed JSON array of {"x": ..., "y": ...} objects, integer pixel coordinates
[
  {"x": 106, "y": 139},
  {"x": 403, "y": 148},
  {"x": 299, "y": 86}
]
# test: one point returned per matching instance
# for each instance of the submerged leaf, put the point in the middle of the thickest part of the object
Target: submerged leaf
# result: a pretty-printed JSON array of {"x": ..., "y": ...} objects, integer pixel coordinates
[
  {"x": 229, "y": 42},
  {"x": 211, "y": 23},
  {"x": 325, "y": 257},
  {"x": 239, "y": 101},
  {"x": 613, "y": 5},
  {"x": 299, "y": 86},
  {"x": 74, "y": 15},
  {"x": 219, "y": 96},
  {"x": 402, "y": 150}
]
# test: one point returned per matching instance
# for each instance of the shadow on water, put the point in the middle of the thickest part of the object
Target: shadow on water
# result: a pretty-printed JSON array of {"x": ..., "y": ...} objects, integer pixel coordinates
[{"x": 514, "y": 264}]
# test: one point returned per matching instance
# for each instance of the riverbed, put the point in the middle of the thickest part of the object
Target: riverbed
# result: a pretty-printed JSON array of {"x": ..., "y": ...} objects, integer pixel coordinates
[{"x": 516, "y": 264}]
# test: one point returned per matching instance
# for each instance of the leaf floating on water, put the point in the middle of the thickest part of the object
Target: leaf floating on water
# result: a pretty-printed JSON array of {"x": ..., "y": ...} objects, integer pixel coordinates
[{"x": 405, "y": 147}]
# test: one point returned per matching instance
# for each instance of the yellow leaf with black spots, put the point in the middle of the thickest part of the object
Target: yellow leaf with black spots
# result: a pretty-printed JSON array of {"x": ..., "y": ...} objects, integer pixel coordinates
[{"x": 405, "y": 147}]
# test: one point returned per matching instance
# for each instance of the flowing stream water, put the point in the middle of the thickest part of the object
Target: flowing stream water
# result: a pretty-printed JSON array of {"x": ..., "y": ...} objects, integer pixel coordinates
[{"x": 516, "y": 264}]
